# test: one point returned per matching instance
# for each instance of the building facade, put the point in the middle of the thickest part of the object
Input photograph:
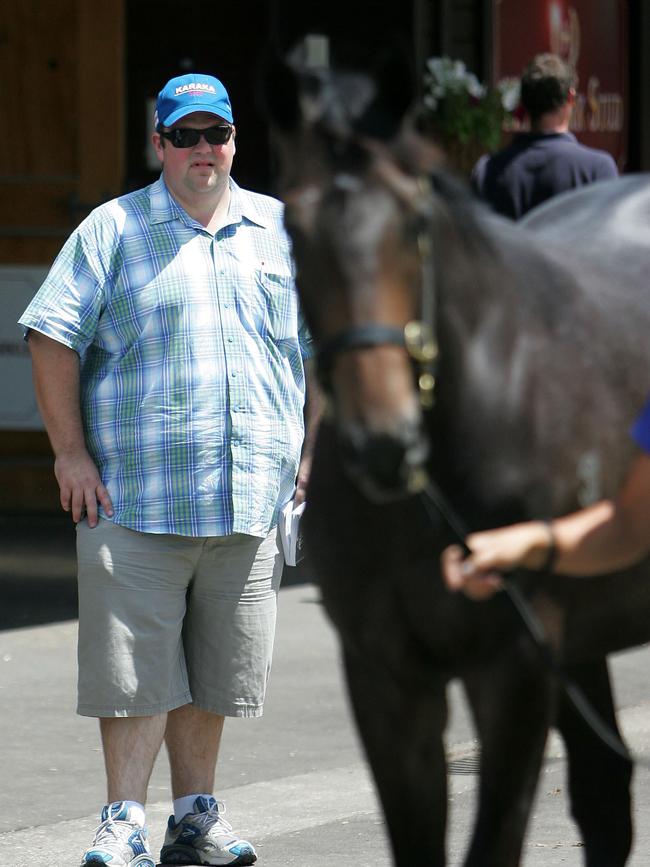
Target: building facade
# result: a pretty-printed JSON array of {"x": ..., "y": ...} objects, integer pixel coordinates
[{"x": 80, "y": 80}]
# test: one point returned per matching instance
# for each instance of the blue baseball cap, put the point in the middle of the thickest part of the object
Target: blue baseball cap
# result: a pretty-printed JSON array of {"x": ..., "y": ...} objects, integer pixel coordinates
[{"x": 189, "y": 93}]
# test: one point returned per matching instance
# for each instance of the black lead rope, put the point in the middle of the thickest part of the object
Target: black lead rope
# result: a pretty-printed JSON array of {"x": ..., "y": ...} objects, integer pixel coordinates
[{"x": 435, "y": 502}]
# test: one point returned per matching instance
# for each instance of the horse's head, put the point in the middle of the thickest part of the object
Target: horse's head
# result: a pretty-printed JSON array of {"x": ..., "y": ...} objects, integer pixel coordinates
[{"x": 356, "y": 214}]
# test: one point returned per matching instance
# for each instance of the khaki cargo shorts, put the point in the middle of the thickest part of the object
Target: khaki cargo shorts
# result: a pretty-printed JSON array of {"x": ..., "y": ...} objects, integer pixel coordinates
[{"x": 167, "y": 620}]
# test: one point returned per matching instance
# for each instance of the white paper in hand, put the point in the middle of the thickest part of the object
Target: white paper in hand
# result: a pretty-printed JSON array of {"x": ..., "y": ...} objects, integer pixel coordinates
[{"x": 290, "y": 533}]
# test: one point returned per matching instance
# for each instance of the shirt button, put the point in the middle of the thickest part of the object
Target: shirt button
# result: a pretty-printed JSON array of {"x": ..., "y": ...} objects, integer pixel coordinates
[
  {"x": 234, "y": 373},
  {"x": 230, "y": 340},
  {"x": 226, "y": 305}
]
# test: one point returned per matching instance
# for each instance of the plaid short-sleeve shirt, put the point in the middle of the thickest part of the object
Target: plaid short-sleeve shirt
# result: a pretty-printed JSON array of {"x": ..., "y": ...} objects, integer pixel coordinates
[{"x": 192, "y": 350}]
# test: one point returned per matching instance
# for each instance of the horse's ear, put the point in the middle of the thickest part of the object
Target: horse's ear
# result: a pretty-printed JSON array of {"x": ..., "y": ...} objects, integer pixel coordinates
[
  {"x": 302, "y": 89},
  {"x": 291, "y": 86},
  {"x": 396, "y": 95}
]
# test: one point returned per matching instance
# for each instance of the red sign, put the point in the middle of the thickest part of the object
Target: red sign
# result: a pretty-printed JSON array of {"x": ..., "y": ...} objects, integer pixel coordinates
[{"x": 592, "y": 36}]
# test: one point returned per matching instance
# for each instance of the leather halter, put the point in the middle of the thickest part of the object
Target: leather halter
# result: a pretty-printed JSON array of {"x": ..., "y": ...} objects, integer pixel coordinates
[{"x": 417, "y": 337}]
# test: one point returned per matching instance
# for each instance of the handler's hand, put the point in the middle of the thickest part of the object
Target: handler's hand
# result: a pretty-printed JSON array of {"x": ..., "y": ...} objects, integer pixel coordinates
[
  {"x": 462, "y": 574},
  {"x": 494, "y": 552},
  {"x": 81, "y": 487}
]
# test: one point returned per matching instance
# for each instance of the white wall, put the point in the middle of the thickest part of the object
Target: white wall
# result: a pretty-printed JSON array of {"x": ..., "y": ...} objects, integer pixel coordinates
[{"x": 18, "y": 410}]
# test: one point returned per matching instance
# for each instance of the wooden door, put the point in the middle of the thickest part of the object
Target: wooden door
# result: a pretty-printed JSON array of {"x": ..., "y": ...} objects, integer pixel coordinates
[
  {"x": 61, "y": 153},
  {"x": 61, "y": 103}
]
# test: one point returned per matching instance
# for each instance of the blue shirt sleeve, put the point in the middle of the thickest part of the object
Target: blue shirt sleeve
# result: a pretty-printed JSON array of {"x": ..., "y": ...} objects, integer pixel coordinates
[
  {"x": 641, "y": 429},
  {"x": 69, "y": 303}
]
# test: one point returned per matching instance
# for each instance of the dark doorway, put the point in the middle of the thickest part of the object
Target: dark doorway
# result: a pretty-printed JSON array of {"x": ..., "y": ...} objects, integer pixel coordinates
[{"x": 164, "y": 39}]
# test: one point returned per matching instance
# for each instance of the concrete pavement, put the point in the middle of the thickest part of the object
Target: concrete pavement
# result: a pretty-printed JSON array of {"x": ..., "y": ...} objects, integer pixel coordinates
[{"x": 294, "y": 781}]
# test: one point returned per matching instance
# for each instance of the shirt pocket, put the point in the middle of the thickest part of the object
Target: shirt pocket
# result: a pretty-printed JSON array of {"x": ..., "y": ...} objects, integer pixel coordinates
[{"x": 280, "y": 303}]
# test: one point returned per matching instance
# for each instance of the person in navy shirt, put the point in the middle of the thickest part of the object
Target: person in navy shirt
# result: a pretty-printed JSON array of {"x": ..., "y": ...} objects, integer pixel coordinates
[
  {"x": 548, "y": 160},
  {"x": 609, "y": 535}
]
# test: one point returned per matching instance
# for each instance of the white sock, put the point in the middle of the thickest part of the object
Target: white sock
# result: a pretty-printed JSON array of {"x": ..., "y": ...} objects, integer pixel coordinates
[
  {"x": 185, "y": 805},
  {"x": 136, "y": 812}
]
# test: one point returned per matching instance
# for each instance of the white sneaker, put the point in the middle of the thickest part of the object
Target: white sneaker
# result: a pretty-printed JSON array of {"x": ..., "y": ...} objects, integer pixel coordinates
[
  {"x": 119, "y": 841},
  {"x": 204, "y": 837}
]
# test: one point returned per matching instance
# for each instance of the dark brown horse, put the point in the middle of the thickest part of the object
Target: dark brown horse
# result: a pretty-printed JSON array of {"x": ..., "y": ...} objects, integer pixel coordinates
[{"x": 543, "y": 360}]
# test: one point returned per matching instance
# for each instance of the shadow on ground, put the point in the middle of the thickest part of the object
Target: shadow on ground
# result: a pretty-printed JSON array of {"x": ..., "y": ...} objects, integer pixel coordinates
[{"x": 38, "y": 571}]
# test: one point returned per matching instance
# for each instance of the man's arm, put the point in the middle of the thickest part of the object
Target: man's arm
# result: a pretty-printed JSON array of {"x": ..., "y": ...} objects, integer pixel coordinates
[
  {"x": 55, "y": 370},
  {"x": 314, "y": 405},
  {"x": 606, "y": 536}
]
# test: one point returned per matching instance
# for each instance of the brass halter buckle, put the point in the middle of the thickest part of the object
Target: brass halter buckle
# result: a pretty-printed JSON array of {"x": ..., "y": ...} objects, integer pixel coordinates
[{"x": 421, "y": 345}]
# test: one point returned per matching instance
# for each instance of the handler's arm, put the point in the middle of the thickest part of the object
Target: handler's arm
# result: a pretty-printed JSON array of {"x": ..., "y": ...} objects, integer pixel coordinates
[
  {"x": 609, "y": 535},
  {"x": 313, "y": 411},
  {"x": 55, "y": 370}
]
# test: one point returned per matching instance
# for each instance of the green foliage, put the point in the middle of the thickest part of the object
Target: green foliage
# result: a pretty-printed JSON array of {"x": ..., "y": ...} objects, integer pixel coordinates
[
  {"x": 465, "y": 116},
  {"x": 462, "y": 118}
]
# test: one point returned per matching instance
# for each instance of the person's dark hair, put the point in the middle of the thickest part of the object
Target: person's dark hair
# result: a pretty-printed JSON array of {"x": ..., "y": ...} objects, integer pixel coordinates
[{"x": 545, "y": 84}]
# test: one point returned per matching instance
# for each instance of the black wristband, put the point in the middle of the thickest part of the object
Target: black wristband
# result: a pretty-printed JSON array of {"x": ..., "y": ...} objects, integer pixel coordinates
[{"x": 551, "y": 551}]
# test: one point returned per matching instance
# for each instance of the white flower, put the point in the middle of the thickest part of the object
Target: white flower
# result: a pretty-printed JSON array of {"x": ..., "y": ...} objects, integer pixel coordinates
[
  {"x": 509, "y": 89},
  {"x": 474, "y": 86},
  {"x": 445, "y": 75},
  {"x": 458, "y": 68}
]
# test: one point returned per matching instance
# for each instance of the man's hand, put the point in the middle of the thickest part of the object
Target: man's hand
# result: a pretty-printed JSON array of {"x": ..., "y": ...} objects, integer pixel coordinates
[
  {"x": 462, "y": 574},
  {"x": 81, "y": 487},
  {"x": 493, "y": 552},
  {"x": 56, "y": 383},
  {"x": 301, "y": 481}
]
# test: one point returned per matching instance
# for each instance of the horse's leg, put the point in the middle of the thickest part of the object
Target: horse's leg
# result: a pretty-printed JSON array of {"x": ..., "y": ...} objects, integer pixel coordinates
[
  {"x": 599, "y": 778},
  {"x": 513, "y": 706},
  {"x": 401, "y": 728}
]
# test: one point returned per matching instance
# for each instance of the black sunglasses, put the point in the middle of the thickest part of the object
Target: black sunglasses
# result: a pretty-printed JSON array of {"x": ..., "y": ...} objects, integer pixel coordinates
[{"x": 183, "y": 137}]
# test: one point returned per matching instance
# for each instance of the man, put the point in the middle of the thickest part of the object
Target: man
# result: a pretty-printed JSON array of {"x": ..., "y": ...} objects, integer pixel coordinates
[
  {"x": 608, "y": 535},
  {"x": 547, "y": 160},
  {"x": 169, "y": 366}
]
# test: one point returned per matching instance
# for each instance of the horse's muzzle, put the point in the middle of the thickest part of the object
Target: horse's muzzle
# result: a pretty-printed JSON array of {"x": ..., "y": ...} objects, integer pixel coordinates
[{"x": 385, "y": 466}]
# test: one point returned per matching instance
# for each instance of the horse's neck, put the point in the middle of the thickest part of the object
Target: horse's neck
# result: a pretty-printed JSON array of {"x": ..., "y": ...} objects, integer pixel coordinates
[
  {"x": 542, "y": 364},
  {"x": 494, "y": 281},
  {"x": 490, "y": 322},
  {"x": 505, "y": 308}
]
